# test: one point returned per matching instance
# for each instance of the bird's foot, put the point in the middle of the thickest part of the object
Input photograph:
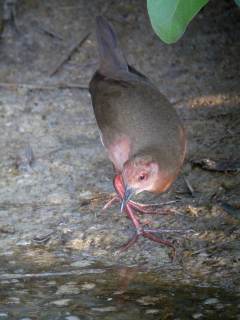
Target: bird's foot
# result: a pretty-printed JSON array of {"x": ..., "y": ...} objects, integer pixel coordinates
[
  {"x": 149, "y": 234},
  {"x": 140, "y": 207},
  {"x": 148, "y": 208},
  {"x": 128, "y": 244},
  {"x": 110, "y": 202},
  {"x": 130, "y": 209}
]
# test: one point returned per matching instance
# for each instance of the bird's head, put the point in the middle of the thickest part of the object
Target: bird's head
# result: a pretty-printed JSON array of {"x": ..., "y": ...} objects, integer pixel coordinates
[{"x": 140, "y": 174}]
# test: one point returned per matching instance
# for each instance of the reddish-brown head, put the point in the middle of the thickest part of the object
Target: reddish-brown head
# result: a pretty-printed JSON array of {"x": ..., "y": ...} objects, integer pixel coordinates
[{"x": 142, "y": 173}]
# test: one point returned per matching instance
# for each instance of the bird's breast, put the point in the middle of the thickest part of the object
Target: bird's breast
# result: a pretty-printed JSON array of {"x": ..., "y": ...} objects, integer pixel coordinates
[{"x": 118, "y": 150}]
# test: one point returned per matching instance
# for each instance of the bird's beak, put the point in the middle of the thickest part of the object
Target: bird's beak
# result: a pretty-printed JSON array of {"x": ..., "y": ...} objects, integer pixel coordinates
[{"x": 127, "y": 195}]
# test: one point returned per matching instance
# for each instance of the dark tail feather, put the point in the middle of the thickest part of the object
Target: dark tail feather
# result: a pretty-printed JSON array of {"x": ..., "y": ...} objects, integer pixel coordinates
[{"x": 111, "y": 57}]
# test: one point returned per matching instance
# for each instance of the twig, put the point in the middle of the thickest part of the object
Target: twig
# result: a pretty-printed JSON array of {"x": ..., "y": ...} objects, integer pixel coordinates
[
  {"x": 218, "y": 166},
  {"x": 49, "y": 33},
  {"x": 73, "y": 48},
  {"x": 190, "y": 188},
  {"x": 30, "y": 86},
  {"x": 214, "y": 246}
]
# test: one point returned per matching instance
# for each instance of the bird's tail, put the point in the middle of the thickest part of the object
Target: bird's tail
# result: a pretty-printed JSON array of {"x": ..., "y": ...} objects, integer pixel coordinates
[{"x": 112, "y": 60}]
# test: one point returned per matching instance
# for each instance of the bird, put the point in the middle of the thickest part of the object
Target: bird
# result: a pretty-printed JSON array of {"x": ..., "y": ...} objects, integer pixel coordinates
[{"x": 141, "y": 131}]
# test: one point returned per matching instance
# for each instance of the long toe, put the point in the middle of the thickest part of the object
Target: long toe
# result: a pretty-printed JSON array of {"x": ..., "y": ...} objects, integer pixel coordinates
[
  {"x": 154, "y": 238},
  {"x": 111, "y": 202},
  {"x": 149, "y": 208},
  {"x": 127, "y": 245}
]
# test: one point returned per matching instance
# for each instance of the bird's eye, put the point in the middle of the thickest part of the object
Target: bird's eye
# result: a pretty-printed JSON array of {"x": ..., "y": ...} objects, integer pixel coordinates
[{"x": 142, "y": 177}]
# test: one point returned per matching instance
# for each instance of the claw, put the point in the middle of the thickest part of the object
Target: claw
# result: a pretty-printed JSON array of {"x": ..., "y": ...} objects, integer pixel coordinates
[
  {"x": 110, "y": 202},
  {"x": 127, "y": 245}
]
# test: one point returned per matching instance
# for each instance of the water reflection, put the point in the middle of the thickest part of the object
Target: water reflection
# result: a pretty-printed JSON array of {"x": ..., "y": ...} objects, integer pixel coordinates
[{"x": 97, "y": 292}]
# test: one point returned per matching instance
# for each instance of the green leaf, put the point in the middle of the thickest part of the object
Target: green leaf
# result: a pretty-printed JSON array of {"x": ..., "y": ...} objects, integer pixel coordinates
[
  {"x": 169, "y": 18},
  {"x": 237, "y": 2}
]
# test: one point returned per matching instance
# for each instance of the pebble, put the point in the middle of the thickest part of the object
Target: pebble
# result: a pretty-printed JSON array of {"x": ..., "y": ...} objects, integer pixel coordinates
[
  {"x": 211, "y": 301},
  {"x": 219, "y": 306},
  {"x": 81, "y": 263},
  {"x": 88, "y": 286},
  {"x": 23, "y": 242},
  {"x": 3, "y": 315},
  {"x": 105, "y": 309},
  {"x": 152, "y": 311},
  {"x": 147, "y": 300},
  {"x": 68, "y": 288},
  {"x": 72, "y": 318},
  {"x": 61, "y": 302},
  {"x": 14, "y": 300},
  {"x": 197, "y": 315}
]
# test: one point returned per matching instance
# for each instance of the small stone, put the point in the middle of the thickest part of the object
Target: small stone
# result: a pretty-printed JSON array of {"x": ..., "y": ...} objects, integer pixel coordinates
[
  {"x": 88, "y": 286},
  {"x": 3, "y": 315},
  {"x": 197, "y": 315},
  {"x": 7, "y": 229},
  {"x": 24, "y": 242},
  {"x": 14, "y": 300},
  {"x": 86, "y": 194},
  {"x": 211, "y": 301},
  {"x": 72, "y": 318},
  {"x": 61, "y": 302},
  {"x": 220, "y": 306},
  {"x": 147, "y": 300},
  {"x": 81, "y": 264},
  {"x": 105, "y": 309},
  {"x": 76, "y": 244},
  {"x": 68, "y": 288},
  {"x": 5, "y": 282},
  {"x": 14, "y": 281},
  {"x": 152, "y": 311}
]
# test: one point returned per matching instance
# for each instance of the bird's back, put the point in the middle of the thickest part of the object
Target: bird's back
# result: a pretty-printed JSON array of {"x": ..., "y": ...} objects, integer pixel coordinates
[{"x": 127, "y": 104}]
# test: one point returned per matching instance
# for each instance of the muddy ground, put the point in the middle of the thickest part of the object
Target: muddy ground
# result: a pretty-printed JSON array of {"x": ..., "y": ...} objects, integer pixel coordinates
[{"x": 50, "y": 206}]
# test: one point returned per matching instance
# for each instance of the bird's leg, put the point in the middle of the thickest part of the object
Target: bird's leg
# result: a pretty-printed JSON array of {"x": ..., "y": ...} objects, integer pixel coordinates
[
  {"x": 119, "y": 187},
  {"x": 141, "y": 232},
  {"x": 138, "y": 232}
]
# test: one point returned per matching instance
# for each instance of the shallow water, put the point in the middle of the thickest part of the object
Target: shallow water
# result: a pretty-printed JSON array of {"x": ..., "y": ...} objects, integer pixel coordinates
[{"x": 98, "y": 292}]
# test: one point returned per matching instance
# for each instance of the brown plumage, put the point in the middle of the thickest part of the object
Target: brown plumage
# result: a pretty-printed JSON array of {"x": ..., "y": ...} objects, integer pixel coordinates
[{"x": 139, "y": 128}]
